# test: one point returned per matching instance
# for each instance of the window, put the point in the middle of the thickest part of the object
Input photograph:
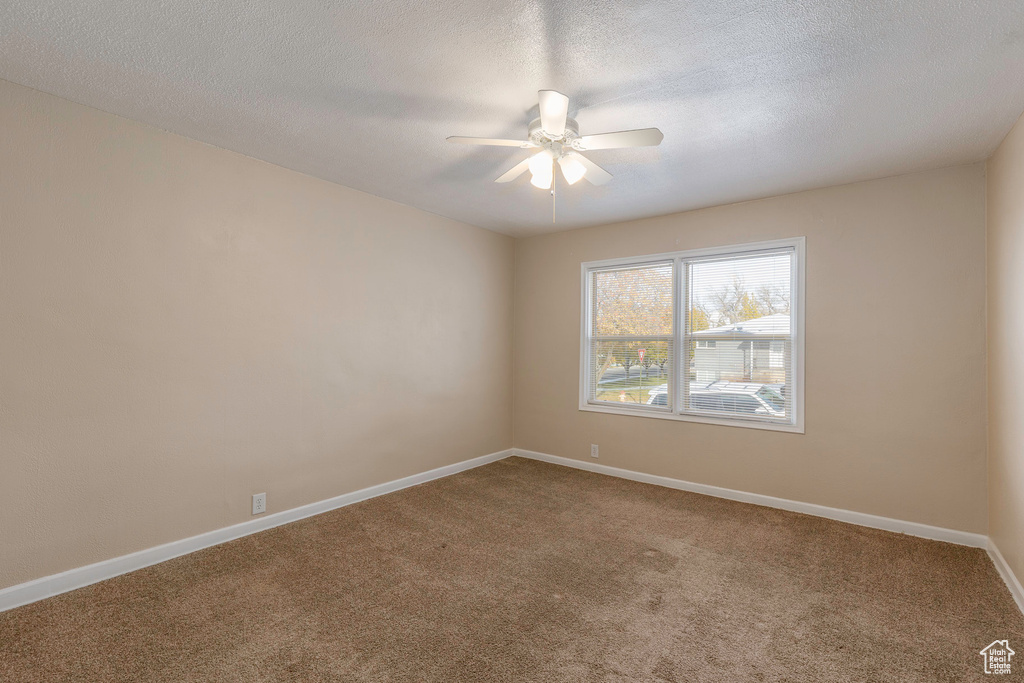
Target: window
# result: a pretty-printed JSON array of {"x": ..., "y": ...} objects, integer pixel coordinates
[{"x": 711, "y": 335}]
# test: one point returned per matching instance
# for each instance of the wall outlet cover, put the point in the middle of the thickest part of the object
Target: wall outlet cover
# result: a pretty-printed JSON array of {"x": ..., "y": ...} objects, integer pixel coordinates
[
  {"x": 593, "y": 450},
  {"x": 259, "y": 503}
]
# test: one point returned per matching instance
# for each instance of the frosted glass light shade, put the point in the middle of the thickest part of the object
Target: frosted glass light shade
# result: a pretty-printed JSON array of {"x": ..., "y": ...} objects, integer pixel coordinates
[
  {"x": 572, "y": 169},
  {"x": 542, "y": 169}
]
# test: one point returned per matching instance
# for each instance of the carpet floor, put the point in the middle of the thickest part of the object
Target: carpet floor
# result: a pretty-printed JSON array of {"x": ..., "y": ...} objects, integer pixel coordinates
[{"x": 525, "y": 571}]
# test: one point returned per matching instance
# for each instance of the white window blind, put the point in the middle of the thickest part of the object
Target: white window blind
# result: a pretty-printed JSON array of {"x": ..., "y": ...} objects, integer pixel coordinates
[
  {"x": 712, "y": 335},
  {"x": 632, "y": 333},
  {"x": 739, "y": 336}
]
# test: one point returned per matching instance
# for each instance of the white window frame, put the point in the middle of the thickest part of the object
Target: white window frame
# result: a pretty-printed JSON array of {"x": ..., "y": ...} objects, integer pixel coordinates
[{"x": 674, "y": 410}]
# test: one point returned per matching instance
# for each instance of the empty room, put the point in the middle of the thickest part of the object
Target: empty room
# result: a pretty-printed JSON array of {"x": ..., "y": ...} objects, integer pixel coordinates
[{"x": 457, "y": 341}]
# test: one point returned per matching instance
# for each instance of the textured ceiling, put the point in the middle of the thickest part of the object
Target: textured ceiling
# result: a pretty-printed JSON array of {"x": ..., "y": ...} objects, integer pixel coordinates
[{"x": 755, "y": 97}]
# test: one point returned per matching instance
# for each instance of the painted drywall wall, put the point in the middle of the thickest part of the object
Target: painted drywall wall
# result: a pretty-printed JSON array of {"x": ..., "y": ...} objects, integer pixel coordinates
[
  {"x": 895, "y": 351},
  {"x": 182, "y": 327},
  {"x": 1005, "y": 362}
]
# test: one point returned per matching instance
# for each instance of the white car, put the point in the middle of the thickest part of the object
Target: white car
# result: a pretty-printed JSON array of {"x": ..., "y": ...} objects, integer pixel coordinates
[{"x": 728, "y": 397}]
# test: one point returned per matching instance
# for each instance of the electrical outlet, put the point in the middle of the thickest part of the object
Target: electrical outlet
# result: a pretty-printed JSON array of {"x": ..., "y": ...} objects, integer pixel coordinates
[
  {"x": 259, "y": 503},
  {"x": 593, "y": 450}
]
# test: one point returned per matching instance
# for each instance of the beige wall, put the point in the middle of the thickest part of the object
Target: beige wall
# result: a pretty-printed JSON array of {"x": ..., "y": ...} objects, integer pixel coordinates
[
  {"x": 895, "y": 390},
  {"x": 181, "y": 327},
  {"x": 1005, "y": 359}
]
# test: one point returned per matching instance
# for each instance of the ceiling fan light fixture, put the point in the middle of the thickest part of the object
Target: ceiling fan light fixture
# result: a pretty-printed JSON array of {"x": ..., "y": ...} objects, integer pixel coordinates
[
  {"x": 558, "y": 138},
  {"x": 540, "y": 163},
  {"x": 571, "y": 167},
  {"x": 542, "y": 169},
  {"x": 542, "y": 181}
]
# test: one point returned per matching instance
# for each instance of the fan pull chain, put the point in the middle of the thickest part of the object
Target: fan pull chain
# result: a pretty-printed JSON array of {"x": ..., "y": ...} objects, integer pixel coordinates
[{"x": 554, "y": 181}]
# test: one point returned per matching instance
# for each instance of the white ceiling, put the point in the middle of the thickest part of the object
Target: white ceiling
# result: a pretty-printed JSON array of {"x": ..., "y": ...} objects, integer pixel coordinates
[{"x": 755, "y": 97}]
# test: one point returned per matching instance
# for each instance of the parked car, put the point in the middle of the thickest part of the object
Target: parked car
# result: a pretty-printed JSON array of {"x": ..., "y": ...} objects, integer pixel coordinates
[
  {"x": 658, "y": 396},
  {"x": 728, "y": 397}
]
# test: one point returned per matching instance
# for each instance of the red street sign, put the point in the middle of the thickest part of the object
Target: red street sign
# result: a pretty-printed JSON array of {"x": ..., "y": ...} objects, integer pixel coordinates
[{"x": 641, "y": 353}]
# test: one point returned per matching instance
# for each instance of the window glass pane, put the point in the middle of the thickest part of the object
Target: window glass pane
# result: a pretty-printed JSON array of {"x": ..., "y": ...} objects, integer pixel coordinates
[
  {"x": 633, "y": 301},
  {"x": 739, "y": 347},
  {"x": 731, "y": 291},
  {"x": 631, "y": 372}
]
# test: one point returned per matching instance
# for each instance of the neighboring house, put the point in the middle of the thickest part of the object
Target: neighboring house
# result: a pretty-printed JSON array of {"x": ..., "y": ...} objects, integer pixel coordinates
[{"x": 750, "y": 351}]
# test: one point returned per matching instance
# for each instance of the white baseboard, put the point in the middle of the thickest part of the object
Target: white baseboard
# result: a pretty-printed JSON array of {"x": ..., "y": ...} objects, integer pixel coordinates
[
  {"x": 862, "y": 519},
  {"x": 48, "y": 586},
  {"x": 1016, "y": 590}
]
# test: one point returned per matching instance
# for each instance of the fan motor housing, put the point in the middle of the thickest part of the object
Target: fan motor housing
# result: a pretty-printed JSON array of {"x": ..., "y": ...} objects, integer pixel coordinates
[{"x": 539, "y": 137}]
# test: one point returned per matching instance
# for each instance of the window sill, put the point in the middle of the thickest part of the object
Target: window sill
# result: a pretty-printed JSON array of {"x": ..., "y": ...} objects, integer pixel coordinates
[{"x": 705, "y": 419}]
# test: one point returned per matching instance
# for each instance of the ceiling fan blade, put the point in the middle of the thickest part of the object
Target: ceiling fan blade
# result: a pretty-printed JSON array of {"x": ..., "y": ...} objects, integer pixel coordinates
[
  {"x": 644, "y": 137},
  {"x": 491, "y": 141},
  {"x": 514, "y": 172},
  {"x": 554, "y": 108},
  {"x": 595, "y": 174}
]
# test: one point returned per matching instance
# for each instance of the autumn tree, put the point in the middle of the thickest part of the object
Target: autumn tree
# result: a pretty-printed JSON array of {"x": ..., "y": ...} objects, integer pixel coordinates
[
  {"x": 700, "y": 318},
  {"x": 646, "y": 363},
  {"x": 632, "y": 302},
  {"x": 638, "y": 302},
  {"x": 627, "y": 362}
]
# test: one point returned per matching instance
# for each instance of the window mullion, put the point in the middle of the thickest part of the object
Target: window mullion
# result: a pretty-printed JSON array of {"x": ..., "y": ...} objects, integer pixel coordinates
[{"x": 682, "y": 378}]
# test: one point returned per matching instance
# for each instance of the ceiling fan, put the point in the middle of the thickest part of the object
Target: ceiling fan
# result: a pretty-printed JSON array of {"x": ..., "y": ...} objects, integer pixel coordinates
[{"x": 556, "y": 137}]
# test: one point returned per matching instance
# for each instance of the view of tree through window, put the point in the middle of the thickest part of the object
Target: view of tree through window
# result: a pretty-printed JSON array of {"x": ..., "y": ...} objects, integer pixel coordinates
[
  {"x": 632, "y": 323},
  {"x": 734, "y": 290},
  {"x": 730, "y": 354},
  {"x": 739, "y": 337}
]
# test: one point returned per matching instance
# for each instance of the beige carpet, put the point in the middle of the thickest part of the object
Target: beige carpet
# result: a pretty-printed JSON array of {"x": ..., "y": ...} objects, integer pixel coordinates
[{"x": 523, "y": 571}]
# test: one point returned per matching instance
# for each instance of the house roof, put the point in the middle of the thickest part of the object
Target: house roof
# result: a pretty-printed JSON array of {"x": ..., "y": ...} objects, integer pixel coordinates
[{"x": 767, "y": 326}]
